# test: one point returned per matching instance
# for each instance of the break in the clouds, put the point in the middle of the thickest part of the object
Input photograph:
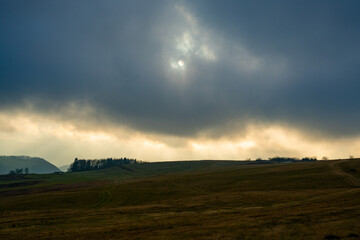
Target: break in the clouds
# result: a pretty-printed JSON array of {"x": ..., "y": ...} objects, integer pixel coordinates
[{"x": 181, "y": 74}]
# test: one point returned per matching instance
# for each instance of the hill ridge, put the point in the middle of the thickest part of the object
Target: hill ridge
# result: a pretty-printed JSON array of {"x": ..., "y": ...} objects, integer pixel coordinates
[{"x": 34, "y": 164}]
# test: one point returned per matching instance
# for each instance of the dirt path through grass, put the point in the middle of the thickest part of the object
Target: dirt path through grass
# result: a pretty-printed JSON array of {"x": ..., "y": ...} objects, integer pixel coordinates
[
  {"x": 349, "y": 178},
  {"x": 104, "y": 199}
]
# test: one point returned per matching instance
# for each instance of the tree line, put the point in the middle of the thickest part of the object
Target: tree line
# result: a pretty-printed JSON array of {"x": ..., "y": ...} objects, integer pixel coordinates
[
  {"x": 19, "y": 171},
  {"x": 287, "y": 159},
  {"x": 80, "y": 165}
]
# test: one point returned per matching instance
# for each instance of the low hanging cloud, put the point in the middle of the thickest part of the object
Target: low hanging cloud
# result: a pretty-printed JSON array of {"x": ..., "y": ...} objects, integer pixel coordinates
[
  {"x": 61, "y": 141},
  {"x": 179, "y": 72}
]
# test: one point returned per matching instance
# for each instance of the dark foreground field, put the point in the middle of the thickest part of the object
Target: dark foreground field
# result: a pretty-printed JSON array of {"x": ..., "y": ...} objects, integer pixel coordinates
[{"x": 187, "y": 200}]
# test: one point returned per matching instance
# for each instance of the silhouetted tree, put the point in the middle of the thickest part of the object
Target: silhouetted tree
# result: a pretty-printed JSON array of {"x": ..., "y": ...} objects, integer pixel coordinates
[
  {"x": 309, "y": 159},
  {"x": 86, "y": 165},
  {"x": 17, "y": 171}
]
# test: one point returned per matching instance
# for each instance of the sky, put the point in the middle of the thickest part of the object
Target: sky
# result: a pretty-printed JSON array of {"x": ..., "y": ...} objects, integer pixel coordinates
[{"x": 179, "y": 80}]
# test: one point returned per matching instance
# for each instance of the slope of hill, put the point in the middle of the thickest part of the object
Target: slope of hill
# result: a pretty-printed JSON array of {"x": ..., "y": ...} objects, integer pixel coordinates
[
  {"x": 186, "y": 200},
  {"x": 64, "y": 168},
  {"x": 34, "y": 164}
]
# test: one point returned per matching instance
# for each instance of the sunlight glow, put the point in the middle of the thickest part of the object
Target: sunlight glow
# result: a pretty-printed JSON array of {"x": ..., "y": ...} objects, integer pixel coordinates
[
  {"x": 189, "y": 42},
  {"x": 178, "y": 65},
  {"x": 181, "y": 63},
  {"x": 246, "y": 144},
  {"x": 33, "y": 134}
]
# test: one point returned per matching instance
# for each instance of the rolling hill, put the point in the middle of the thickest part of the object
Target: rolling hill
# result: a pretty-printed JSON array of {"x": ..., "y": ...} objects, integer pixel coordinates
[
  {"x": 186, "y": 200},
  {"x": 34, "y": 164}
]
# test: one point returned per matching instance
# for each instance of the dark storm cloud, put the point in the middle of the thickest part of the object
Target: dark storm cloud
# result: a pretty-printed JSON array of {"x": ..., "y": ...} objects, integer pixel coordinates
[
  {"x": 289, "y": 62},
  {"x": 319, "y": 40}
]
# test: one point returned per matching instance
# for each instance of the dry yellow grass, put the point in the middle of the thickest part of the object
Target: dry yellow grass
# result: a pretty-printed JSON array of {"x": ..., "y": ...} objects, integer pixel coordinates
[{"x": 282, "y": 201}]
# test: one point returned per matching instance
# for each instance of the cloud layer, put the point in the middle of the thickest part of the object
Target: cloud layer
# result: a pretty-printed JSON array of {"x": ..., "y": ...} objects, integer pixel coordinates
[{"x": 185, "y": 70}]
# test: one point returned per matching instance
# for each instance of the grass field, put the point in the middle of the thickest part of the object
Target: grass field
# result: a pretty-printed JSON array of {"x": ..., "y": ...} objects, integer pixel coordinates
[{"x": 187, "y": 200}]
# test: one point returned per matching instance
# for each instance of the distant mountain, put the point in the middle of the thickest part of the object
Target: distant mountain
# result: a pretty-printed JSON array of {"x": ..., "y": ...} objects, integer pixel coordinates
[
  {"x": 34, "y": 164},
  {"x": 64, "y": 168}
]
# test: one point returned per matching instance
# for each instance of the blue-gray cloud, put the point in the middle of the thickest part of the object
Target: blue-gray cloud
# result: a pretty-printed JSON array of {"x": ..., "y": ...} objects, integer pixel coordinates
[{"x": 294, "y": 62}]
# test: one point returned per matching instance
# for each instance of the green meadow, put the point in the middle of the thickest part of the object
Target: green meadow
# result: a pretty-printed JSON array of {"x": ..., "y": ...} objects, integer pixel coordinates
[{"x": 186, "y": 200}]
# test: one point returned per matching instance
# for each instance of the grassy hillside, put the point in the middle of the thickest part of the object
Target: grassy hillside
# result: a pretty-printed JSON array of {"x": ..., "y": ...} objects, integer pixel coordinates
[
  {"x": 186, "y": 200},
  {"x": 34, "y": 164}
]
